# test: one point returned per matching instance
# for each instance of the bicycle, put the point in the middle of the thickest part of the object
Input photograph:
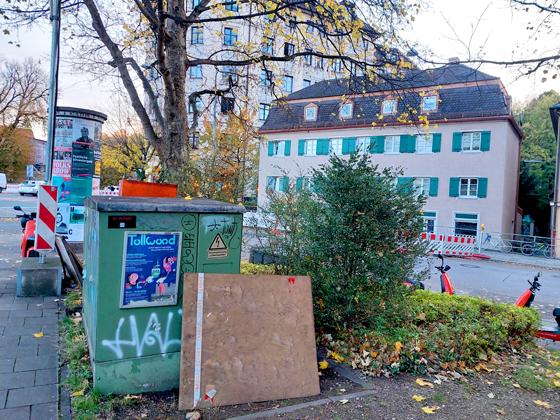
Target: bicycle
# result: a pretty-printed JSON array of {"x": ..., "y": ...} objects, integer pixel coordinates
[
  {"x": 531, "y": 249},
  {"x": 498, "y": 243}
]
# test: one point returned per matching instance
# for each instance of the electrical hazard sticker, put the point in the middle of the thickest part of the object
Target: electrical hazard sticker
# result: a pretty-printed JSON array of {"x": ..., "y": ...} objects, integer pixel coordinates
[{"x": 218, "y": 248}]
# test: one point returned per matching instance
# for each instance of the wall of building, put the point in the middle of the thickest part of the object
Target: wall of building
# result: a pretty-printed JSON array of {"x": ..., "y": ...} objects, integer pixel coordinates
[{"x": 500, "y": 165}]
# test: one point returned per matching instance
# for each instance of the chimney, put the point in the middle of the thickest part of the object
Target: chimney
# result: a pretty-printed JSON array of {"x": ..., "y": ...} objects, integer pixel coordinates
[{"x": 453, "y": 60}]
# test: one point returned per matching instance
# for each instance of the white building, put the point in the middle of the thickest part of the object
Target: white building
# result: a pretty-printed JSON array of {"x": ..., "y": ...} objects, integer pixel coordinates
[{"x": 465, "y": 160}]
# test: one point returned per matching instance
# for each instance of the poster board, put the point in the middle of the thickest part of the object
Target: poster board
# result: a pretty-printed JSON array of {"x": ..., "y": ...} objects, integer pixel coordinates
[{"x": 246, "y": 339}]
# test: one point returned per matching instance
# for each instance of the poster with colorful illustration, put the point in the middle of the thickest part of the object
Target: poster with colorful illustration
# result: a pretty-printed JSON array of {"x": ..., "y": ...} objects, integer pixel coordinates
[{"x": 151, "y": 266}]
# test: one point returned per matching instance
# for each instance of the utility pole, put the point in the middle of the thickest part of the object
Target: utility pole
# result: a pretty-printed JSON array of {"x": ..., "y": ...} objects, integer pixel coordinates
[
  {"x": 554, "y": 213},
  {"x": 53, "y": 86}
]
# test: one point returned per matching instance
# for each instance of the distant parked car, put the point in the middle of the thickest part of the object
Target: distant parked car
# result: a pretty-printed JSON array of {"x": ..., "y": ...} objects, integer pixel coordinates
[
  {"x": 30, "y": 187},
  {"x": 3, "y": 182}
]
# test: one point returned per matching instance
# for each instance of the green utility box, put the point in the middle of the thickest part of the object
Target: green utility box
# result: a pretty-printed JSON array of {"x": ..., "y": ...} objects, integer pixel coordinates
[{"x": 136, "y": 252}]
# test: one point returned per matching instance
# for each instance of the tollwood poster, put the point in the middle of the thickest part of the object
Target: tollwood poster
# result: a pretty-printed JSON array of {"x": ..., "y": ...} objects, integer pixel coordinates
[
  {"x": 151, "y": 264},
  {"x": 76, "y": 166}
]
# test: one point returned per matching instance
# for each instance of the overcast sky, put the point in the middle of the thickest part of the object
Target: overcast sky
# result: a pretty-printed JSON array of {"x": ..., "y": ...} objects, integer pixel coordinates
[{"x": 445, "y": 27}]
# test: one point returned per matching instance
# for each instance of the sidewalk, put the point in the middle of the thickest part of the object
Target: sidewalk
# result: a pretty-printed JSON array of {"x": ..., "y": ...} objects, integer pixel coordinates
[
  {"x": 28, "y": 365},
  {"x": 516, "y": 258}
]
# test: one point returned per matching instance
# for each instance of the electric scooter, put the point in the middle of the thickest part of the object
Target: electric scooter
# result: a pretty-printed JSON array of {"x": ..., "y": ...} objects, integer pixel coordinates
[
  {"x": 445, "y": 280},
  {"x": 28, "y": 224},
  {"x": 525, "y": 301}
]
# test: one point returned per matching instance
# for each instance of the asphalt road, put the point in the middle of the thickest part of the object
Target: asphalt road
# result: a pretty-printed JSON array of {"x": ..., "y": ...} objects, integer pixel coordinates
[{"x": 8, "y": 200}]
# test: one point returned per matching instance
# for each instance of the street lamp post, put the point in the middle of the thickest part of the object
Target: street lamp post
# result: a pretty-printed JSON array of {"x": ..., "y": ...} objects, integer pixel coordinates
[{"x": 554, "y": 213}]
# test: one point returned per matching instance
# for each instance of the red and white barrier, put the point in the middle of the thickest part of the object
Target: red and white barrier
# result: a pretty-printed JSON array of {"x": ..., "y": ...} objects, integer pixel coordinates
[
  {"x": 458, "y": 245},
  {"x": 46, "y": 218}
]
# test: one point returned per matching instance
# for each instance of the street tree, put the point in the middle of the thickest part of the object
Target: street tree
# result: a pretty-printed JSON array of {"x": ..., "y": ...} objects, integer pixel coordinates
[
  {"x": 23, "y": 96},
  {"x": 144, "y": 42}
]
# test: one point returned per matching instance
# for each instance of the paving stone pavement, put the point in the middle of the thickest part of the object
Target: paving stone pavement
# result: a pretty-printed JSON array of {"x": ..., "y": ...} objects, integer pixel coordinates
[{"x": 28, "y": 365}]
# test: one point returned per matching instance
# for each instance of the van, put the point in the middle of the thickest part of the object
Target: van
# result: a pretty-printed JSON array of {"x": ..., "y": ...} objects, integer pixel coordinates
[{"x": 3, "y": 182}]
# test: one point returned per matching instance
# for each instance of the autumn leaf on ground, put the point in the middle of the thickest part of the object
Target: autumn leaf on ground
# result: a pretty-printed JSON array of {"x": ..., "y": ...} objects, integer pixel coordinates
[
  {"x": 491, "y": 395},
  {"x": 422, "y": 382},
  {"x": 482, "y": 366},
  {"x": 131, "y": 397},
  {"x": 343, "y": 401},
  {"x": 334, "y": 355},
  {"x": 398, "y": 346},
  {"x": 323, "y": 364},
  {"x": 77, "y": 393},
  {"x": 556, "y": 383},
  {"x": 418, "y": 398},
  {"x": 430, "y": 410},
  {"x": 38, "y": 334},
  {"x": 542, "y": 403},
  {"x": 516, "y": 385}
]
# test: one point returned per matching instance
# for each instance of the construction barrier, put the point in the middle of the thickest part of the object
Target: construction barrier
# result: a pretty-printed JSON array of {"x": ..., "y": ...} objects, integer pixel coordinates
[
  {"x": 46, "y": 218},
  {"x": 457, "y": 245}
]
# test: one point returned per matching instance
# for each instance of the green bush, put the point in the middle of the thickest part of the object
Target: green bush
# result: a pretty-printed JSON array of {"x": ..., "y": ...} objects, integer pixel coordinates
[
  {"x": 250, "y": 269},
  {"x": 440, "y": 331}
]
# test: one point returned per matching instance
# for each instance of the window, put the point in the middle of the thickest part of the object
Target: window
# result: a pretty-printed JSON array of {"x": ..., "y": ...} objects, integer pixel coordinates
[
  {"x": 422, "y": 186},
  {"x": 289, "y": 49},
  {"x": 230, "y": 36},
  {"x": 195, "y": 3},
  {"x": 306, "y": 83},
  {"x": 264, "y": 109},
  {"x": 195, "y": 72},
  {"x": 429, "y": 103},
  {"x": 310, "y": 148},
  {"x": 288, "y": 84},
  {"x": 303, "y": 183},
  {"x": 230, "y": 72},
  {"x": 468, "y": 187},
  {"x": 277, "y": 148},
  {"x": 274, "y": 183},
  {"x": 267, "y": 46},
  {"x": 198, "y": 104},
  {"x": 310, "y": 113},
  {"x": 336, "y": 146},
  {"x": 430, "y": 218},
  {"x": 466, "y": 224},
  {"x": 346, "y": 110},
  {"x": 470, "y": 142},
  {"x": 362, "y": 144},
  {"x": 389, "y": 106},
  {"x": 194, "y": 140},
  {"x": 310, "y": 29},
  {"x": 320, "y": 63},
  {"x": 291, "y": 26},
  {"x": 232, "y": 6},
  {"x": 392, "y": 144},
  {"x": 227, "y": 105},
  {"x": 337, "y": 65},
  {"x": 197, "y": 35},
  {"x": 308, "y": 58},
  {"x": 424, "y": 143},
  {"x": 266, "y": 78}
]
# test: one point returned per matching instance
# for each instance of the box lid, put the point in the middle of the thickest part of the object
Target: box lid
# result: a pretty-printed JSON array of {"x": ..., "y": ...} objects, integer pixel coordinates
[{"x": 161, "y": 205}]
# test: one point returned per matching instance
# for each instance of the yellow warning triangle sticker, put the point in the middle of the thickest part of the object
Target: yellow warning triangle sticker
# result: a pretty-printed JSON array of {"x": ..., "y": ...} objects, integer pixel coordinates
[{"x": 218, "y": 243}]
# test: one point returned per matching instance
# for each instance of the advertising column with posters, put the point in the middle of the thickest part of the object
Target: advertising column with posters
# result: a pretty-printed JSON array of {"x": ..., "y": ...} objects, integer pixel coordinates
[{"x": 76, "y": 166}]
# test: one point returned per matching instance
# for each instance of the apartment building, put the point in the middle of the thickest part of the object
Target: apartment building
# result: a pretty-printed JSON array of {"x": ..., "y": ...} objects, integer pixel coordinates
[
  {"x": 256, "y": 85},
  {"x": 450, "y": 129}
]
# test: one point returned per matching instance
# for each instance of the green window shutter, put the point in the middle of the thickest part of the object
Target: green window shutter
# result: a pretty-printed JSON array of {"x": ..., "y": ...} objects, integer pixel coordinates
[
  {"x": 405, "y": 183},
  {"x": 287, "y": 147},
  {"x": 434, "y": 184},
  {"x": 285, "y": 183},
  {"x": 482, "y": 187},
  {"x": 377, "y": 144},
  {"x": 485, "y": 141},
  {"x": 457, "y": 140},
  {"x": 270, "y": 148},
  {"x": 299, "y": 183},
  {"x": 453, "y": 187},
  {"x": 323, "y": 146},
  {"x": 301, "y": 147},
  {"x": 436, "y": 142},
  {"x": 403, "y": 147},
  {"x": 411, "y": 144},
  {"x": 348, "y": 145}
]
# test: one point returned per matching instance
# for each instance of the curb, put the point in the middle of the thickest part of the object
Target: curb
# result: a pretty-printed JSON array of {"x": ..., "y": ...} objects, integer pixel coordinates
[{"x": 290, "y": 409}]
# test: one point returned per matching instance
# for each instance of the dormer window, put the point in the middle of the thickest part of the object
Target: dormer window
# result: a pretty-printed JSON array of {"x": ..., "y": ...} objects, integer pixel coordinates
[
  {"x": 389, "y": 106},
  {"x": 346, "y": 110},
  {"x": 430, "y": 103},
  {"x": 310, "y": 112}
]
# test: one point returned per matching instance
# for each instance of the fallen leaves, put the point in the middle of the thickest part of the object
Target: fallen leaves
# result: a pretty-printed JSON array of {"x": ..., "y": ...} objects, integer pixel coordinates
[
  {"x": 79, "y": 393},
  {"x": 38, "y": 334},
  {"x": 398, "y": 346},
  {"x": 335, "y": 356},
  {"x": 491, "y": 395},
  {"x": 543, "y": 404},
  {"x": 418, "y": 398},
  {"x": 344, "y": 402},
  {"x": 516, "y": 385},
  {"x": 422, "y": 382},
  {"x": 430, "y": 409},
  {"x": 556, "y": 383},
  {"x": 482, "y": 366},
  {"x": 323, "y": 364}
]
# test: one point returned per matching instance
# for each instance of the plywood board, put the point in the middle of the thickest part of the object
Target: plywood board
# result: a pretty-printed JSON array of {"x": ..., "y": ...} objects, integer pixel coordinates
[{"x": 255, "y": 337}]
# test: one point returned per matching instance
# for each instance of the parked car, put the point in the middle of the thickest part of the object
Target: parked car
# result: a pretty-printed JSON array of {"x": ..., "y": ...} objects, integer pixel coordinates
[
  {"x": 3, "y": 182},
  {"x": 30, "y": 187}
]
